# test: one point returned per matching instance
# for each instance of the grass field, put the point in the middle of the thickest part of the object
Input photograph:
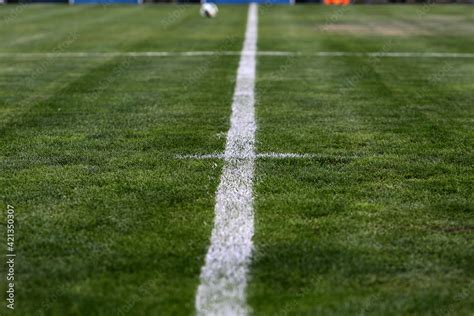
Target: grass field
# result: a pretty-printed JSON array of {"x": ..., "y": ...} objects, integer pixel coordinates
[{"x": 379, "y": 220}]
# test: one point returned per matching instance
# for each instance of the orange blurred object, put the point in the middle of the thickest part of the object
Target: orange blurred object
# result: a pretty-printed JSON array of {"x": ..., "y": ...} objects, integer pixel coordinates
[{"x": 337, "y": 2}]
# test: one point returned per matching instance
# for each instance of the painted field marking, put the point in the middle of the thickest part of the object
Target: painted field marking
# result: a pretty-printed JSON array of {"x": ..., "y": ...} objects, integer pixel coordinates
[
  {"x": 235, "y": 53},
  {"x": 270, "y": 155},
  {"x": 370, "y": 54},
  {"x": 224, "y": 275}
]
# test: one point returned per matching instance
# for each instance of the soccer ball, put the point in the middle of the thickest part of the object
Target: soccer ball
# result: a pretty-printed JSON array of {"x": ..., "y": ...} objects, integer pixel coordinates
[{"x": 209, "y": 10}]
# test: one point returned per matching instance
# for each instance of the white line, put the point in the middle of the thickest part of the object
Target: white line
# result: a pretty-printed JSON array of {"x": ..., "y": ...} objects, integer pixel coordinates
[
  {"x": 203, "y": 156},
  {"x": 395, "y": 54},
  {"x": 224, "y": 275},
  {"x": 270, "y": 155},
  {"x": 119, "y": 54},
  {"x": 369, "y": 54},
  {"x": 235, "y": 53},
  {"x": 285, "y": 155}
]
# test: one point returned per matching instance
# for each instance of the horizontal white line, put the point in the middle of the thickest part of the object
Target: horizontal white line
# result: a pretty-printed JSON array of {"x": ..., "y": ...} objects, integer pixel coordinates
[
  {"x": 236, "y": 53},
  {"x": 395, "y": 54},
  {"x": 115, "y": 54},
  {"x": 204, "y": 156},
  {"x": 285, "y": 155},
  {"x": 262, "y": 155}
]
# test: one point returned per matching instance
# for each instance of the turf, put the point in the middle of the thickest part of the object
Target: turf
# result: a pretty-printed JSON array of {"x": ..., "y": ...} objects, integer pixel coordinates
[
  {"x": 111, "y": 223},
  {"x": 381, "y": 221}
]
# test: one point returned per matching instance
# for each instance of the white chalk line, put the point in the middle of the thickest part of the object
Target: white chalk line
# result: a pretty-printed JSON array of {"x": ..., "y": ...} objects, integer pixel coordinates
[
  {"x": 270, "y": 155},
  {"x": 225, "y": 272},
  {"x": 371, "y": 54},
  {"x": 235, "y": 53}
]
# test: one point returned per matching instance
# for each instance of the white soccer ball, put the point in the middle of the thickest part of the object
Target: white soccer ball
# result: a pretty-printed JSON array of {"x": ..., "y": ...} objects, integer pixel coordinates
[{"x": 209, "y": 10}]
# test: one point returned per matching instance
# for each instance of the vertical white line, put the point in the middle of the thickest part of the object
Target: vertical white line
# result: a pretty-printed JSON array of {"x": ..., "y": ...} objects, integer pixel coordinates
[{"x": 224, "y": 275}]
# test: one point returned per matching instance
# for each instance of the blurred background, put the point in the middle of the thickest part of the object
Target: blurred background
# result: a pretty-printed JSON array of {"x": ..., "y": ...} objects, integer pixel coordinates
[{"x": 326, "y": 2}]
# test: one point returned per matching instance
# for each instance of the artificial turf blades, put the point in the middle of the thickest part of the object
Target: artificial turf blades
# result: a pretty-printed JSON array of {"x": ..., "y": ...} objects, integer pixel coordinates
[{"x": 110, "y": 222}]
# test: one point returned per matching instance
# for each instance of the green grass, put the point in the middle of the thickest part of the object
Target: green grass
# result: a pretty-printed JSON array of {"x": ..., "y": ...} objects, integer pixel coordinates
[
  {"x": 109, "y": 222},
  {"x": 381, "y": 222}
]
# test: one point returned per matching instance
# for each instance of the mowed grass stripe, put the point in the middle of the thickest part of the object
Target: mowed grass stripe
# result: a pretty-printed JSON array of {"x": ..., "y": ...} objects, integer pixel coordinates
[
  {"x": 34, "y": 83},
  {"x": 102, "y": 28},
  {"x": 15, "y": 15},
  {"x": 62, "y": 37},
  {"x": 56, "y": 37},
  {"x": 368, "y": 28}
]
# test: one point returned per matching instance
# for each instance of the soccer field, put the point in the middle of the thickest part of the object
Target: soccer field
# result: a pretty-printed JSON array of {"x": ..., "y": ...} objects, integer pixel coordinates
[{"x": 114, "y": 125}]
